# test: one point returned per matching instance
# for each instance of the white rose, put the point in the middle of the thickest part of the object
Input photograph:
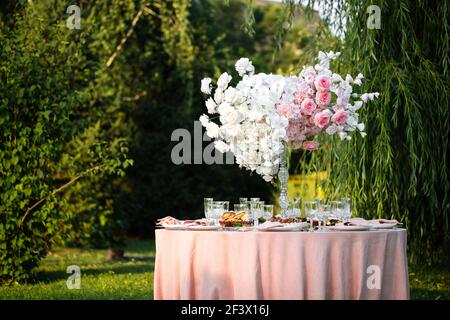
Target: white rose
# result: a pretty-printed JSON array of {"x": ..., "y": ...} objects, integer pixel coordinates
[
  {"x": 223, "y": 81},
  {"x": 243, "y": 66},
  {"x": 336, "y": 78},
  {"x": 211, "y": 105},
  {"x": 230, "y": 95},
  {"x": 231, "y": 115},
  {"x": 255, "y": 115},
  {"x": 364, "y": 97},
  {"x": 218, "y": 96},
  {"x": 204, "y": 120},
  {"x": 267, "y": 178},
  {"x": 223, "y": 107},
  {"x": 360, "y": 126},
  {"x": 351, "y": 121},
  {"x": 212, "y": 130},
  {"x": 357, "y": 105},
  {"x": 206, "y": 86},
  {"x": 221, "y": 146},
  {"x": 348, "y": 78},
  {"x": 232, "y": 129}
]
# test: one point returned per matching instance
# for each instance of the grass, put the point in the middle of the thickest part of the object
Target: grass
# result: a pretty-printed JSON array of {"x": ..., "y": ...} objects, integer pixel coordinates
[
  {"x": 100, "y": 279},
  {"x": 133, "y": 278}
]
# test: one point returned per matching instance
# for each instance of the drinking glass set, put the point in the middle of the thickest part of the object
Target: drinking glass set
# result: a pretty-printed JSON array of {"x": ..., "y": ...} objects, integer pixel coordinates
[
  {"x": 318, "y": 212},
  {"x": 254, "y": 207}
]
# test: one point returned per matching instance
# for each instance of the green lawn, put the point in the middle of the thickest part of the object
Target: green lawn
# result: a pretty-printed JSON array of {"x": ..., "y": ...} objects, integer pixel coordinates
[
  {"x": 100, "y": 279},
  {"x": 133, "y": 278}
]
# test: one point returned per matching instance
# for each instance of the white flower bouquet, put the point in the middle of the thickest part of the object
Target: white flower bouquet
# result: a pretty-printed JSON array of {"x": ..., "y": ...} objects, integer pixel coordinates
[{"x": 264, "y": 111}]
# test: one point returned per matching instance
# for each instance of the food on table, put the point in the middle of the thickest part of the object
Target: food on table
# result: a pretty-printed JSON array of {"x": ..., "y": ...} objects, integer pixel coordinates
[
  {"x": 288, "y": 220},
  {"x": 233, "y": 219},
  {"x": 168, "y": 221},
  {"x": 385, "y": 221},
  {"x": 173, "y": 221}
]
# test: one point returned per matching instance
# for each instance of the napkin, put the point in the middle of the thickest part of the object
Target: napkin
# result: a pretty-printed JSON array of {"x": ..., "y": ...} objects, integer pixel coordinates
[
  {"x": 270, "y": 225},
  {"x": 364, "y": 222},
  {"x": 168, "y": 220}
]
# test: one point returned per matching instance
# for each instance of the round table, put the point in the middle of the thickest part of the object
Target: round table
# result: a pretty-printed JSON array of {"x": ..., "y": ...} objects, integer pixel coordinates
[{"x": 281, "y": 265}]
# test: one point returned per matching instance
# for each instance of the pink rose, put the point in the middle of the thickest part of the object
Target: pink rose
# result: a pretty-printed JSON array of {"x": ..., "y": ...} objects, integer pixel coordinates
[
  {"x": 322, "y": 82},
  {"x": 339, "y": 117},
  {"x": 323, "y": 98},
  {"x": 301, "y": 93},
  {"x": 321, "y": 119},
  {"x": 310, "y": 145},
  {"x": 285, "y": 110},
  {"x": 308, "y": 106}
]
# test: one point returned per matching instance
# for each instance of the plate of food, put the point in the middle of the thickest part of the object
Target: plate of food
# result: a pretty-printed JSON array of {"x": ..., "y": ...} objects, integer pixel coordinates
[{"x": 235, "y": 220}]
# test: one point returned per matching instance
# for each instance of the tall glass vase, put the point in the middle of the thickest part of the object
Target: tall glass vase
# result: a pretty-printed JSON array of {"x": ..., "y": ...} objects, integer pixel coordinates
[{"x": 283, "y": 176}]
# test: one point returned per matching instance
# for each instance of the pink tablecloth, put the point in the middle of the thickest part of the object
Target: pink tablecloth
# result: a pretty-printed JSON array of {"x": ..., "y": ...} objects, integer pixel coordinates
[{"x": 281, "y": 265}]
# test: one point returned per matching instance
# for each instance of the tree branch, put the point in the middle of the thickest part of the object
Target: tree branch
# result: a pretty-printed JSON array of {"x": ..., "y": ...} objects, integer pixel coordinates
[
  {"x": 122, "y": 42},
  {"x": 64, "y": 186}
]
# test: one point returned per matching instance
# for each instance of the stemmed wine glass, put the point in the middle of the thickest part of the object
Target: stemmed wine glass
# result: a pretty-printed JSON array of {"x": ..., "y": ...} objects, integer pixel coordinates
[
  {"x": 256, "y": 208},
  {"x": 268, "y": 212},
  {"x": 311, "y": 212}
]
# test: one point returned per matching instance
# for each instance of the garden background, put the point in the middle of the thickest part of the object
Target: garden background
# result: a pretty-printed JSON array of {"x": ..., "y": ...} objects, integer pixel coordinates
[{"x": 86, "y": 117}]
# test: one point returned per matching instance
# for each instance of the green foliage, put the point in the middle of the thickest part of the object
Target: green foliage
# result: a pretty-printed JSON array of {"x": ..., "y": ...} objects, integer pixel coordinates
[
  {"x": 401, "y": 169},
  {"x": 44, "y": 90}
]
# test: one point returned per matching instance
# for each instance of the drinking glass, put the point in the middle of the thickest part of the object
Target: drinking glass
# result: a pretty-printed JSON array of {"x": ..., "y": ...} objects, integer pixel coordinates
[
  {"x": 217, "y": 210},
  {"x": 254, "y": 199},
  {"x": 255, "y": 210},
  {"x": 294, "y": 208},
  {"x": 243, "y": 200},
  {"x": 226, "y": 205},
  {"x": 207, "y": 202},
  {"x": 241, "y": 208},
  {"x": 311, "y": 212},
  {"x": 336, "y": 209},
  {"x": 268, "y": 212},
  {"x": 347, "y": 209},
  {"x": 326, "y": 214}
]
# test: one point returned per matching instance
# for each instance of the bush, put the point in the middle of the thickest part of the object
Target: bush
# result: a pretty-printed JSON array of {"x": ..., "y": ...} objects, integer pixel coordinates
[{"x": 43, "y": 86}]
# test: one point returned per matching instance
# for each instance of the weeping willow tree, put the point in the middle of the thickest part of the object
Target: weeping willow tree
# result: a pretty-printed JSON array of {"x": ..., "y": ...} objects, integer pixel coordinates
[{"x": 401, "y": 169}]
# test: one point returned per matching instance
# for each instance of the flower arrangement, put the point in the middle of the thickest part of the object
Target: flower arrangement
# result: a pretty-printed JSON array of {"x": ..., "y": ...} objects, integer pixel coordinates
[{"x": 264, "y": 111}]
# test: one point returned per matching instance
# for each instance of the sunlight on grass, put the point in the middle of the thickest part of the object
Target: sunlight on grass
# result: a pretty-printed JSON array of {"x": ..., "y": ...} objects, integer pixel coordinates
[{"x": 100, "y": 279}]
